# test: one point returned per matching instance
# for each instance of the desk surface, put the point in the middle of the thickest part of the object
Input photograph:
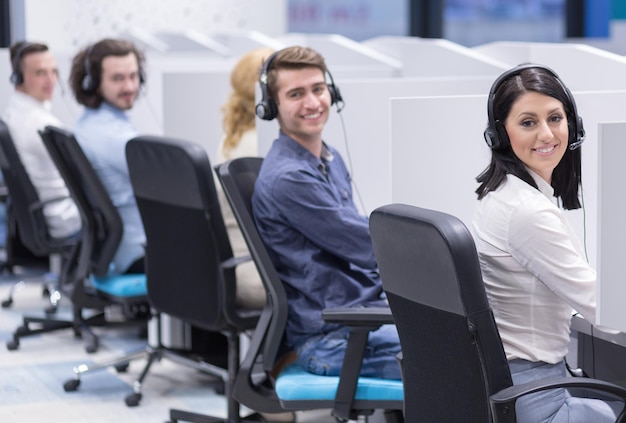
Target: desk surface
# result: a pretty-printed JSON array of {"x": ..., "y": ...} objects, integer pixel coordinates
[{"x": 581, "y": 325}]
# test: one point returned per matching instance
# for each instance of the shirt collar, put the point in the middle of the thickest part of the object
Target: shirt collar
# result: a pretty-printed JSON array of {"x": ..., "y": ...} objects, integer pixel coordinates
[
  {"x": 544, "y": 187},
  {"x": 31, "y": 101}
]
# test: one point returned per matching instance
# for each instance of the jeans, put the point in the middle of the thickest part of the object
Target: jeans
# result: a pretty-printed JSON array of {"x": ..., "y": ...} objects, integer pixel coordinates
[
  {"x": 323, "y": 354},
  {"x": 558, "y": 405}
]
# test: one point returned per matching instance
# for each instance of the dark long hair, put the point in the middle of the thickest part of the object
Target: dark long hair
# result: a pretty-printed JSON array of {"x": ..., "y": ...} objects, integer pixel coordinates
[{"x": 566, "y": 177}]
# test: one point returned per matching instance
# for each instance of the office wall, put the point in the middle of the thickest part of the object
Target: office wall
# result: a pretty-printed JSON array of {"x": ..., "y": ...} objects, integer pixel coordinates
[{"x": 73, "y": 23}]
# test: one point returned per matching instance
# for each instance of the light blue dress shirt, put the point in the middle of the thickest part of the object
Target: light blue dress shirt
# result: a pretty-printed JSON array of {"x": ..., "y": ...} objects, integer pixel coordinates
[{"x": 103, "y": 134}]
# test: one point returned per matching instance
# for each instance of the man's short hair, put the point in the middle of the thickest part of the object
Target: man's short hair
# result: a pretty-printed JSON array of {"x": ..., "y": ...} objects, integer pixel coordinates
[{"x": 295, "y": 57}]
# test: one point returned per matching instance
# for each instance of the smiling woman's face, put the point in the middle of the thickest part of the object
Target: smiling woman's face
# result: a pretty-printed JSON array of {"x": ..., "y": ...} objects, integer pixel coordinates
[{"x": 537, "y": 129}]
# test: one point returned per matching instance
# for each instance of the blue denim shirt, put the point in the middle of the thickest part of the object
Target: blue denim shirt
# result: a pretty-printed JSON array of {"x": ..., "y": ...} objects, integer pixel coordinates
[
  {"x": 317, "y": 239},
  {"x": 102, "y": 134}
]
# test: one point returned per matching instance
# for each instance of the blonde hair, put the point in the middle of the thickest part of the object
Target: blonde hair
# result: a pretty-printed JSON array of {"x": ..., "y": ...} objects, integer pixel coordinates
[{"x": 239, "y": 113}]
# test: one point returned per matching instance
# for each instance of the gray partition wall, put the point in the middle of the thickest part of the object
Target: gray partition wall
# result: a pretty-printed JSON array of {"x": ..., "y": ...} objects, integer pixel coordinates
[{"x": 611, "y": 225}]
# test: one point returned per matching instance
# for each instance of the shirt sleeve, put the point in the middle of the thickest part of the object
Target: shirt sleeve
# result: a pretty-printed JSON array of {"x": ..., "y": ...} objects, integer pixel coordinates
[
  {"x": 326, "y": 218},
  {"x": 541, "y": 242}
]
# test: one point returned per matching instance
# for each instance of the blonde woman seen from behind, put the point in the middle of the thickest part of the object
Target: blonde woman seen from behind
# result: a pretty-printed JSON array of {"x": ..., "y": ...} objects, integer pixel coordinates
[{"x": 240, "y": 140}]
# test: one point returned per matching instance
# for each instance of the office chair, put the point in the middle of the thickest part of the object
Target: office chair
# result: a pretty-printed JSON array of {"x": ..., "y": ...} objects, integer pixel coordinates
[
  {"x": 191, "y": 268},
  {"x": 287, "y": 385},
  {"x": 26, "y": 223},
  {"x": 454, "y": 365},
  {"x": 88, "y": 285}
]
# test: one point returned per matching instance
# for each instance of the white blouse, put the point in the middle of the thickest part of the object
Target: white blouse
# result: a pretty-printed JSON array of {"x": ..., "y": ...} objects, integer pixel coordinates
[{"x": 534, "y": 269}]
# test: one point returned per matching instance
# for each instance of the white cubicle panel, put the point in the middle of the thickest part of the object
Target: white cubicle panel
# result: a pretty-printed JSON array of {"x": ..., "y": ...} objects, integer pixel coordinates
[
  {"x": 6, "y": 88},
  {"x": 437, "y": 169},
  {"x": 192, "y": 41},
  {"x": 366, "y": 146},
  {"x": 611, "y": 225},
  {"x": 435, "y": 57},
  {"x": 240, "y": 42},
  {"x": 156, "y": 114},
  {"x": 192, "y": 104},
  {"x": 347, "y": 58},
  {"x": 581, "y": 67}
]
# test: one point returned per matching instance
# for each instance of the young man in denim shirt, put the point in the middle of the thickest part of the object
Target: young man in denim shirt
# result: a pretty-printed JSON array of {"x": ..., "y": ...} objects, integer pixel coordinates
[{"x": 304, "y": 211}]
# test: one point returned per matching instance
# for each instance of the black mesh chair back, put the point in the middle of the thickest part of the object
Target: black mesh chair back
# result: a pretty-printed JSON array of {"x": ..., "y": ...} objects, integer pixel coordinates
[
  {"x": 27, "y": 208},
  {"x": 432, "y": 278},
  {"x": 454, "y": 365},
  {"x": 102, "y": 226},
  {"x": 190, "y": 264},
  {"x": 238, "y": 178},
  {"x": 187, "y": 241}
]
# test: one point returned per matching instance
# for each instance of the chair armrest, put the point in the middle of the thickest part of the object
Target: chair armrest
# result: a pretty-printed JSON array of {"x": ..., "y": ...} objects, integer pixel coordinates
[
  {"x": 358, "y": 316},
  {"x": 503, "y": 402},
  {"x": 360, "y": 320}
]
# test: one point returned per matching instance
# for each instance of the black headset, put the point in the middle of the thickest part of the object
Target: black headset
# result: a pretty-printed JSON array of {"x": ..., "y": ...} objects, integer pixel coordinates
[
  {"x": 17, "y": 77},
  {"x": 267, "y": 109},
  {"x": 494, "y": 136},
  {"x": 89, "y": 84}
]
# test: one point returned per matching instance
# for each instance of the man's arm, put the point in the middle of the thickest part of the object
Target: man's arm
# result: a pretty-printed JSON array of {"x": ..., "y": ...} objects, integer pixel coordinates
[{"x": 326, "y": 218}]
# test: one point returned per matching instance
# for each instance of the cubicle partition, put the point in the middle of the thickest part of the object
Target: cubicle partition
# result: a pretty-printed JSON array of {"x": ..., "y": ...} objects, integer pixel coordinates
[
  {"x": 435, "y": 57},
  {"x": 192, "y": 104},
  {"x": 611, "y": 225},
  {"x": 581, "y": 67},
  {"x": 347, "y": 58}
]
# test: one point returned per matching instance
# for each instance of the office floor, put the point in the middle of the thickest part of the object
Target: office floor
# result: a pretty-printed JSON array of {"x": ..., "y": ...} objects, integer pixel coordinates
[{"x": 32, "y": 377}]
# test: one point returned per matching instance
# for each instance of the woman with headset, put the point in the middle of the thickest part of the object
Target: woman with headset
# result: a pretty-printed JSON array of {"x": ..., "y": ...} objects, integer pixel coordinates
[{"x": 533, "y": 265}]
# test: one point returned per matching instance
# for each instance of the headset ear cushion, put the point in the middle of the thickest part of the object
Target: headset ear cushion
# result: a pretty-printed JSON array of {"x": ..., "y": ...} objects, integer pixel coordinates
[
  {"x": 489, "y": 138},
  {"x": 266, "y": 109},
  {"x": 333, "y": 94},
  {"x": 86, "y": 83},
  {"x": 16, "y": 78}
]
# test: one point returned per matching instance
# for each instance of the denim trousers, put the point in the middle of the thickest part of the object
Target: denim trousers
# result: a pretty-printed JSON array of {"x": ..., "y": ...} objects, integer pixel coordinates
[
  {"x": 559, "y": 405},
  {"x": 323, "y": 354}
]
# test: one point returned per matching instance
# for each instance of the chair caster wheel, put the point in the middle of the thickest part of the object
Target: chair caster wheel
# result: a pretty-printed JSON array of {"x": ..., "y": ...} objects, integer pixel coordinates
[
  {"x": 132, "y": 400},
  {"x": 220, "y": 390},
  {"x": 91, "y": 349},
  {"x": 121, "y": 368},
  {"x": 71, "y": 385},
  {"x": 7, "y": 303},
  {"x": 13, "y": 345},
  {"x": 51, "y": 310}
]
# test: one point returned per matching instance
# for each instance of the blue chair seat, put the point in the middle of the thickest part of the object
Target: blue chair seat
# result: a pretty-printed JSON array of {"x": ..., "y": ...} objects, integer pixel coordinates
[
  {"x": 296, "y": 384},
  {"x": 125, "y": 286}
]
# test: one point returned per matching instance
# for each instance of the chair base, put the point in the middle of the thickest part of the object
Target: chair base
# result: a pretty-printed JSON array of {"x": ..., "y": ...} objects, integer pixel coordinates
[
  {"x": 82, "y": 329},
  {"x": 158, "y": 353}
]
